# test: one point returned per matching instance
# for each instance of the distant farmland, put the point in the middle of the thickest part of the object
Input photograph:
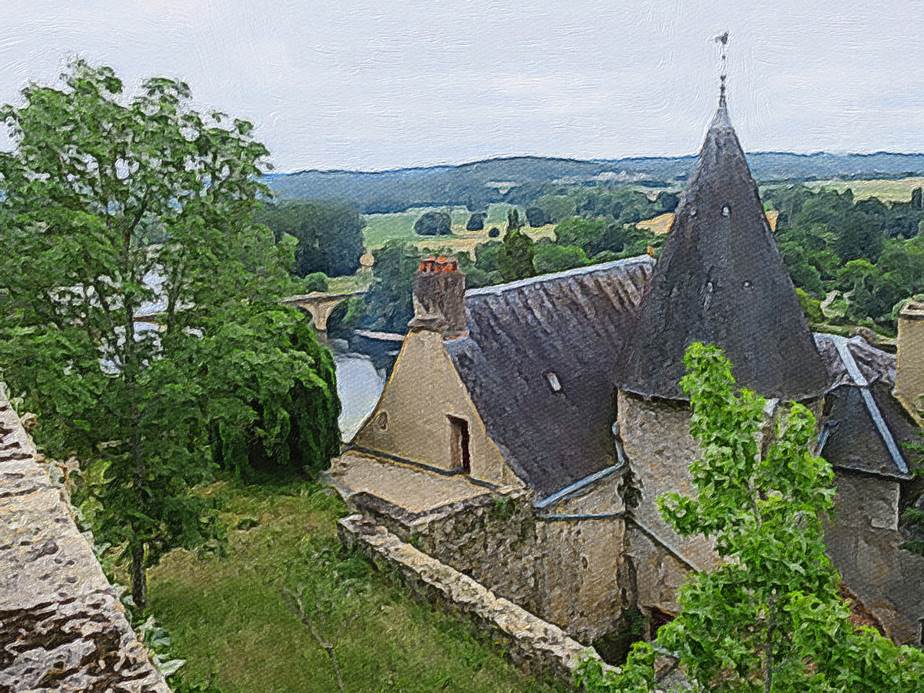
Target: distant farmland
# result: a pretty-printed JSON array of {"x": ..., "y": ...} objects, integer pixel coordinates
[
  {"x": 887, "y": 190},
  {"x": 381, "y": 228}
]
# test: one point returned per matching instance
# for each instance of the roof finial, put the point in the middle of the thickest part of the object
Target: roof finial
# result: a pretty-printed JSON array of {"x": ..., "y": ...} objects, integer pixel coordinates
[{"x": 723, "y": 74}]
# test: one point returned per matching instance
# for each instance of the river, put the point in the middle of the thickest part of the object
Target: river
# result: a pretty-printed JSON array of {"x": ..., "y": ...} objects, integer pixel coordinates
[{"x": 359, "y": 384}]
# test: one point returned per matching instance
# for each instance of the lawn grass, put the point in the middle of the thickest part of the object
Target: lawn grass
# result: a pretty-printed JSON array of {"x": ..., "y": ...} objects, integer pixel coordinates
[
  {"x": 886, "y": 189},
  {"x": 234, "y": 620},
  {"x": 381, "y": 228}
]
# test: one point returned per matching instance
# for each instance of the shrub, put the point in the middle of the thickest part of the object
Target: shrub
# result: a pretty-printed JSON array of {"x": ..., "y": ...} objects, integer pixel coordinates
[{"x": 433, "y": 224}]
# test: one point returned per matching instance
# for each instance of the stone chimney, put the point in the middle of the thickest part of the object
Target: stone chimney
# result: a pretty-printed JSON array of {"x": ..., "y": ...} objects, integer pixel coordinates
[
  {"x": 909, "y": 373},
  {"x": 439, "y": 297}
]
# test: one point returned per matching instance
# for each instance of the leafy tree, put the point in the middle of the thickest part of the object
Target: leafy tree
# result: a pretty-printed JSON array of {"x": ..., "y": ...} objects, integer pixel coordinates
[
  {"x": 515, "y": 256},
  {"x": 666, "y": 201},
  {"x": 811, "y": 306},
  {"x": 771, "y": 616},
  {"x": 803, "y": 273},
  {"x": 514, "y": 223},
  {"x": 552, "y": 257},
  {"x": 94, "y": 177},
  {"x": 283, "y": 423},
  {"x": 858, "y": 238},
  {"x": 475, "y": 222},
  {"x": 556, "y": 208},
  {"x": 587, "y": 234},
  {"x": 329, "y": 235},
  {"x": 536, "y": 217},
  {"x": 433, "y": 224},
  {"x": 316, "y": 281},
  {"x": 917, "y": 199},
  {"x": 390, "y": 299}
]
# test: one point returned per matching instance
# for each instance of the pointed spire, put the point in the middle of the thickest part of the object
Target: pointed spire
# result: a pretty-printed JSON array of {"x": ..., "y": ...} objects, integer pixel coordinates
[
  {"x": 720, "y": 280},
  {"x": 721, "y": 118}
]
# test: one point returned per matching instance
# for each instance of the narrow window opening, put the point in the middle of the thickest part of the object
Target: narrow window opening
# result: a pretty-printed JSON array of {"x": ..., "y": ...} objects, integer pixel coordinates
[
  {"x": 459, "y": 445},
  {"x": 726, "y": 211},
  {"x": 553, "y": 381}
]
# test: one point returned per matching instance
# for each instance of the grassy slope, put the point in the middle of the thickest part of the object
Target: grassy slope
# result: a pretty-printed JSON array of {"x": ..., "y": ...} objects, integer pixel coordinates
[{"x": 231, "y": 620}]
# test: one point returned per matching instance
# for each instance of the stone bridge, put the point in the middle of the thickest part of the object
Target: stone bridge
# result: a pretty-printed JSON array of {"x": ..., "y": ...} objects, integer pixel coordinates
[{"x": 320, "y": 305}]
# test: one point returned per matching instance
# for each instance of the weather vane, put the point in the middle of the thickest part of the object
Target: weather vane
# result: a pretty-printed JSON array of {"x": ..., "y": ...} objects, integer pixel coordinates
[{"x": 723, "y": 75}]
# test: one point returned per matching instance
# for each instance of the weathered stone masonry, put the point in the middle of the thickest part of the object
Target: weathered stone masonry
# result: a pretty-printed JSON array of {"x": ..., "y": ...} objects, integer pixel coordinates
[{"x": 62, "y": 626}]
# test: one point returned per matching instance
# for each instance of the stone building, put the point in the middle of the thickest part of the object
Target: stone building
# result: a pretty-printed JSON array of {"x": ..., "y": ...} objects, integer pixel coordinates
[{"x": 518, "y": 419}]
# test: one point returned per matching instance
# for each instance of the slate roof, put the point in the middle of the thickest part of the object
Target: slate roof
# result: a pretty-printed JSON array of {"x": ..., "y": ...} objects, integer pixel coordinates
[
  {"x": 539, "y": 363},
  {"x": 720, "y": 279},
  {"x": 865, "y": 429}
]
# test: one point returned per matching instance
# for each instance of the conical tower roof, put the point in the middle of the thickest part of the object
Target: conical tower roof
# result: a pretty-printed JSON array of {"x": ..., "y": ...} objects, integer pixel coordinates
[{"x": 721, "y": 280}]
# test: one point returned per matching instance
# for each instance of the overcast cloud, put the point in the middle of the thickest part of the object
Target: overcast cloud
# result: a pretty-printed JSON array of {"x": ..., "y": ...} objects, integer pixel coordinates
[{"x": 374, "y": 84}]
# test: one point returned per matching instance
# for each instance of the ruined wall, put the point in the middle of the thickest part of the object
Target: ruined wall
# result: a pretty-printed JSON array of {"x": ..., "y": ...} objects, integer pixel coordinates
[
  {"x": 410, "y": 420},
  {"x": 563, "y": 570},
  {"x": 62, "y": 626}
]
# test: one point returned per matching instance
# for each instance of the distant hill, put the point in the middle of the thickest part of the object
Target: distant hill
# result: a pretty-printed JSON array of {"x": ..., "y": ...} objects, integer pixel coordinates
[{"x": 519, "y": 179}]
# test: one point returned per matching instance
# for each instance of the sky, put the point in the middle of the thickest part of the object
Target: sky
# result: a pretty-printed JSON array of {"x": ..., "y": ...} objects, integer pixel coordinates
[{"x": 377, "y": 84}]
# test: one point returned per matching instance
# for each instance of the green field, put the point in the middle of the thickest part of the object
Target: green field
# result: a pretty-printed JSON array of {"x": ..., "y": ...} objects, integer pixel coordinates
[
  {"x": 887, "y": 190},
  {"x": 381, "y": 228},
  {"x": 234, "y": 620}
]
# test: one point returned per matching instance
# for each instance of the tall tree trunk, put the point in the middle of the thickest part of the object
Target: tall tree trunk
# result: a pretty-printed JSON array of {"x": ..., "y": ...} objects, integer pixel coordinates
[{"x": 139, "y": 579}]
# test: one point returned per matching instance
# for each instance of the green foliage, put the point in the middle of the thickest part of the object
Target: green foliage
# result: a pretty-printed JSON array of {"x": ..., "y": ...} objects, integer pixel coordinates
[
  {"x": 514, "y": 223},
  {"x": 93, "y": 179},
  {"x": 316, "y": 281},
  {"x": 389, "y": 301},
  {"x": 811, "y": 306},
  {"x": 433, "y": 224},
  {"x": 329, "y": 236},
  {"x": 475, "y": 221},
  {"x": 266, "y": 420},
  {"x": 555, "y": 208},
  {"x": 552, "y": 257},
  {"x": 536, "y": 216},
  {"x": 515, "y": 256},
  {"x": 869, "y": 251},
  {"x": 770, "y": 617}
]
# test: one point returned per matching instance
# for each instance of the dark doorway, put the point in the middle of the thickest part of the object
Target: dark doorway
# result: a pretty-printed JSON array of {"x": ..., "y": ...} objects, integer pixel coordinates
[{"x": 458, "y": 442}]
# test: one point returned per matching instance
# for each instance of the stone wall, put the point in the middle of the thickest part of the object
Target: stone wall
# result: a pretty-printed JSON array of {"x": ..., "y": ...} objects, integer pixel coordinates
[
  {"x": 865, "y": 502},
  {"x": 62, "y": 626},
  {"x": 539, "y": 647},
  {"x": 864, "y": 544},
  {"x": 657, "y": 442},
  {"x": 564, "y": 569}
]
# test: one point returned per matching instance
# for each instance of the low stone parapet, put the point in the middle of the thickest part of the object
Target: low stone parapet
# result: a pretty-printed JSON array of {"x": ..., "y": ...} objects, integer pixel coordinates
[
  {"x": 539, "y": 647},
  {"x": 62, "y": 626}
]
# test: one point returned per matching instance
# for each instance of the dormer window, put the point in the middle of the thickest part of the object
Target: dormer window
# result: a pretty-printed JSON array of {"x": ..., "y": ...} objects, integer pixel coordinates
[{"x": 553, "y": 381}]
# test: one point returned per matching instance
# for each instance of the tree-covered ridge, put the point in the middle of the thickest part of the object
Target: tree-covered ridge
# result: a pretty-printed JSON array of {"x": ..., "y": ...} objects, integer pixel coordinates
[
  {"x": 519, "y": 180},
  {"x": 101, "y": 193},
  {"x": 869, "y": 252}
]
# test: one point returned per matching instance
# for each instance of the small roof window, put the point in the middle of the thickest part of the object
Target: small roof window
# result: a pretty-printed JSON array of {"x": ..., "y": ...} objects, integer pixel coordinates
[{"x": 553, "y": 381}]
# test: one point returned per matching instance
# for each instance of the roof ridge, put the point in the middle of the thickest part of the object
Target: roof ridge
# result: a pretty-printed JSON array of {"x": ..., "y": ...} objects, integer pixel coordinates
[
  {"x": 497, "y": 289},
  {"x": 882, "y": 428}
]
